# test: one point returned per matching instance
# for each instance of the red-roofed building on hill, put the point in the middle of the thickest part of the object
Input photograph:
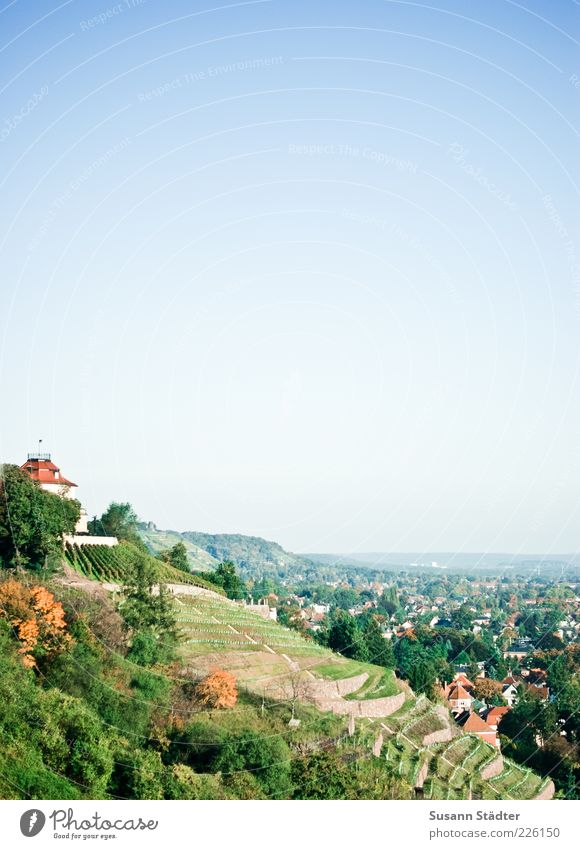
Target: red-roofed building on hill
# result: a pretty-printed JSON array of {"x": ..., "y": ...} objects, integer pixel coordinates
[
  {"x": 474, "y": 724},
  {"x": 542, "y": 692},
  {"x": 41, "y": 468}
]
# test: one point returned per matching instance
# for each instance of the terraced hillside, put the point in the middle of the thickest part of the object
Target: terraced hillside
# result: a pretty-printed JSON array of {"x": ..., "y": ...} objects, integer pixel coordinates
[
  {"x": 417, "y": 739},
  {"x": 429, "y": 751},
  {"x": 110, "y": 565},
  {"x": 266, "y": 656}
]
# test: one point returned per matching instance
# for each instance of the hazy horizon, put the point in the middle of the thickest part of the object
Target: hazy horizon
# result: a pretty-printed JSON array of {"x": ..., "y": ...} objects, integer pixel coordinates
[{"x": 300, "y": 271}]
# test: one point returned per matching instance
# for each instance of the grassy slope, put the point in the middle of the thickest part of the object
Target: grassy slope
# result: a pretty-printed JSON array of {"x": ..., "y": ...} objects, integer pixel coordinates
[
  {"x": 218, "y": 632},
  {"x": 207, "y": 550},
  {"x": 262, "y": 653},
  {"x": 157, "y": 540}
]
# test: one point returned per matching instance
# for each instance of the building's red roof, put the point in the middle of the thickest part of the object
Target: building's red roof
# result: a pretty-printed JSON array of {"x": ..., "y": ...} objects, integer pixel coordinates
[
  {"x": 45, "y": 471},
  {"x": 495, "y": 714},
  {"x": 475, "y": 724},
  {"x": 458, "y": 692},
  {"x": 462, "y": 679}
]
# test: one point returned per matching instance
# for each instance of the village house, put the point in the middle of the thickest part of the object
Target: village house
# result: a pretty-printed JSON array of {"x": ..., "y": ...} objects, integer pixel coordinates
[
  {"x": 458, "y": 698},
  {"x": 494, "y": 715},
  {"x": 461, "y": 678},
  {"x": 472, "y": 723},
  {"x": 510, "y": 694},
  {"x": 41, "y": 468},
  {"x": 519, "y": 649}
]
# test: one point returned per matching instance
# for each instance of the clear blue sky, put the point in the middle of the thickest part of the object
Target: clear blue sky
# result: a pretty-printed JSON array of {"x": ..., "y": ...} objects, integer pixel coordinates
[{"x": 307, "y": 270}]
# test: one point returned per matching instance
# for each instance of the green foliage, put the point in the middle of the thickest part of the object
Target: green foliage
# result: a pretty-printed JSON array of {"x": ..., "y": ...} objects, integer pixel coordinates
[
  {"x": 226, "y": 577},
  {"x": 32, "y": 521},
  {"x": 421, "y": 665},
  {"x": 176, "y": 556},
  {"x": 358, "y": 637},
  {"x": 148, "y": 613},
  {"x": 344, "y": 636},
  {"x": 119, "y": 520},
  {"x": 330, "y": 774},
  {"x": 73, "y": 741},
  {"x": 379, "y": 649},
  {"x": 138, "y": 773},
  {"x": 268, "y": 759}
]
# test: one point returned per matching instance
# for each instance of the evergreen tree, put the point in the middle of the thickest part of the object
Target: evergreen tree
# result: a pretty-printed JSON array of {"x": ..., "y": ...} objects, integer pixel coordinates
[
  {"x": 379, "y": 649},
  {"x": 148, "y": 613}
]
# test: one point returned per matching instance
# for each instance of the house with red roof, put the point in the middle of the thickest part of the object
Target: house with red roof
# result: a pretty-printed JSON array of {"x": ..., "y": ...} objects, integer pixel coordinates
[
  {"x": 472, "y": 723},
  {"x": 494, "y": 715},
  {"x": 461, "y": 678},
  {"x": 49, "y": 476},
  {"x": 458, "y": 699},
  {"x": 541, "y": 691},
  {"x": 41, "y": 468}
]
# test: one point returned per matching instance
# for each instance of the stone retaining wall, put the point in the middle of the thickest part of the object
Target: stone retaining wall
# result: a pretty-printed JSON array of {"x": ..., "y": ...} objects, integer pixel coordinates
[
  {"x": 422, "y": 775},
  {"x": 441, "y": 736},
  {"x": 547, "y": 792},
  {"x": 361, "y": 708},
  {"x": 324, "y": 689},
  {"x": 492, "y": 769}
]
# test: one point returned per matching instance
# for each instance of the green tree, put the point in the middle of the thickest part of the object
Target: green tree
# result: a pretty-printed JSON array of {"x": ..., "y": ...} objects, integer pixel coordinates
[
  {"x": 344, "y": 636},
  {"x": 225, "y": 576},
  {"x": 267, "y": 758},
  {"x": 148, "y": 613},
  {"x": 32, "y": 520},
  {"x": 74, "y": 742},
  {"x": 379, "y": 649},
  {"x": 120, "y": 520},
  {"x": 176, "y": 556},
  {"x": 323, "y": 775}
]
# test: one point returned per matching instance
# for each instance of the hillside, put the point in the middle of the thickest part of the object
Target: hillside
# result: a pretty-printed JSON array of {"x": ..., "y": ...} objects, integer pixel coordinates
[
  {"x": 157, "y": 540},
  {"x": 252, "y": 555},
  {"x": 327, "y": 726},
  {"x": 414, "y": 738},
  {"x": 110, "y": 565}
]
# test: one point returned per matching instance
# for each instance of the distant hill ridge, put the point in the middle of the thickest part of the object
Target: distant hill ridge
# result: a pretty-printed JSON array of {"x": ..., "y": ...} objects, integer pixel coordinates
[{"x": 205, "y": 551}]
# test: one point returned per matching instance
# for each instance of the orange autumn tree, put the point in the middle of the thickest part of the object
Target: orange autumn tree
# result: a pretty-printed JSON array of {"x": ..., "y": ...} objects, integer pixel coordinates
[
  {"x": 37, "y": 619},
  {"x": 217, "y": 690}
]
